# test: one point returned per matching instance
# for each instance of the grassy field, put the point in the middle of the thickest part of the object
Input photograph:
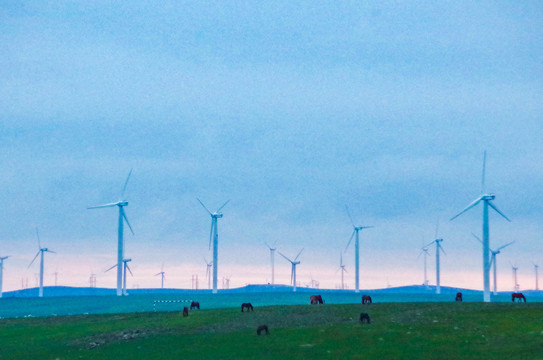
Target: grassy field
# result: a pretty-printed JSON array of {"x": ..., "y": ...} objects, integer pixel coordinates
[{"x": 398, "y": 331}]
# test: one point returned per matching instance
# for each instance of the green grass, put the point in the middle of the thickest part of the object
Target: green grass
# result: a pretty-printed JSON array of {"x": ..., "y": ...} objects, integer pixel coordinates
[{"x": 398, "y": 331}]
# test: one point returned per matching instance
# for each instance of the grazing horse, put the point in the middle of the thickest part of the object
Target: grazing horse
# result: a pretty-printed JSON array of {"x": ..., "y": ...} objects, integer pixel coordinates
[
  {"x": 366, "y": 299},
  {"x": 185, "y": 311},
  {"x": 316, "y": 299},
  {"x": 195, "y": 305},
  {"x": 262, "y": 328},
  {"x": 247, "y": 306},
  {"x": 365, "y": 318},
  {"x": 518, "y": 296},
  {"x": 459, "y": 297}
]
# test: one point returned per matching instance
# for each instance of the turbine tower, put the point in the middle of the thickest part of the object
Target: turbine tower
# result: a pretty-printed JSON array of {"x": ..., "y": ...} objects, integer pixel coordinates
[
  {"x": 486, "y": 198},
  {"x": 40, "y": 252},
  {"x": 293, "y": 271},
  {"x": 425, "y": 253},
  {"x": 208, "y": 272},
  {"x": 343, "y": 270},
  {"x": 214, "y": 237},
  {"x": 125, "y": 267},
  {"x": 493, "y": 261},
  {"x": 2, "y": 272},
  {"x": 515, "y": 280},
  {"x": 120, "y": 245},
  {"x": 536, "y": 267},
  {"x": 438, "y": 247},
  {"x": 161, "y": 273},
  {"x": 356, "y": 249},
  {"x": 272, "y": 253}
]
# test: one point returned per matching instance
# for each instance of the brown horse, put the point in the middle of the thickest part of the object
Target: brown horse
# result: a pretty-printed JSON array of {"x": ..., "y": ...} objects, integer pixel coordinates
[
  {"x": 366, "y": 299},
  {"x": 365, "y": 318},
  {"x": 247, "y": 306},
  {"x": 262, "y": 328},
  {"x": 518, "y": 296},
  {"x": 459, "y": 297},
  {"x": 316, "y": 299},
  {"x": 195, "y": 305},
  {"x": 185, "y": 311}
]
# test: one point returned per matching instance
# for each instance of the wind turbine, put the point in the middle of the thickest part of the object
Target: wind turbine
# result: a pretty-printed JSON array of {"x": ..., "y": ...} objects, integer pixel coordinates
[
  {"x": 40, "y": 251},
  {"x": 425, "y": 253},
  {"x": 493, "y": 260},
  {"x": 438, "y": 247},
  {"x": 342, "y": 268},
  {"x": 516, "y": 285},
  {"x": 2, "y": 272},
  {"x": 536, "y": 267},
  {"x": 356, "y": 249},
  {"x": 214, "y": 236},
  {"x": 125, "y": 268},
  {"x": 272, "y": 253},
  {"x": 208, "y": 272},
  {"x": 161, "y": 273},
  {"x": 293, "y": 271},
  {"x": 486, "y": 198},
  {"x": 120, "y": 245}
]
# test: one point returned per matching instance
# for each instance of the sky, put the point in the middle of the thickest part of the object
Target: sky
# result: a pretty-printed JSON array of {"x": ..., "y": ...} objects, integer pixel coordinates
[{"x": 290, "y": 110}]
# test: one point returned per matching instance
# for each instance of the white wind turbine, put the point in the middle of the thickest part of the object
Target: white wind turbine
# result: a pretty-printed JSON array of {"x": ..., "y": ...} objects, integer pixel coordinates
[
  {"x": 40, "y": 251},
  {"x": 425, "y": 253},
  {"x": 272, "y": 253},
  {"x": 438, "y": 247},
  {"x": 125, "y": 268},
  {"x": 162, "y": 275},
  {"x": 343, "y": 270},
  {"x": 356, "y": 249},
  {"x": 536, "y": 267},
  {"x": 493, "y": 261},
  {"x": 120, "y": 245},
  {"x": 208, "y": 272},
  {"x": 2, "y": 272},
  {"x": 214, "y": 237},
  {"x": 515, "y": 280},
  {"x": 293, "y": 271},
  {"x": 486, "y": 198}
]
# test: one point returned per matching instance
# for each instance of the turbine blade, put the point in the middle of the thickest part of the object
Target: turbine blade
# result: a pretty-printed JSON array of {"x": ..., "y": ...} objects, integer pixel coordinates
[
  {"x": 473, "y": 203},
  {"x": 130, "y": 271},
  {"x": 38, "y": 236},
  {"x": 296, "y": 258},
  {"x": 33, "y": 260},
  {"x": 285, "y": 257},
  {"x": 441, "y": 248},
  {"x": 223, "y": 205},
  {"x": 114, "y": 266},
  {"x": 103, "y": 206},
  {"x": 158, "y": 274},
  {"x": 505, "y": 246},
  {"x": 126, "y": 219},
  {"x": 431, "y": 242},
  {"x": 201, "y": 203},
  {"x": 269, "y": 247},
  {"x": 126, "y": 183},
  {"x": 478, "y": 238},
  {"x": 483, "y": 177},
  {"x": 349, "y": 242},
  {"x": 498, "y": 211},
  {"x": 349, "y": 214},
  {"x": 51, "y": 251},
  {"x": 210, "y": 234},
  {"x": 437, "y": 229}
]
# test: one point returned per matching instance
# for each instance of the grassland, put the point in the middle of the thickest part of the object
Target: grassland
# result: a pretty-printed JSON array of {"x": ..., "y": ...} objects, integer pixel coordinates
[{"x": 398, "y": 331}]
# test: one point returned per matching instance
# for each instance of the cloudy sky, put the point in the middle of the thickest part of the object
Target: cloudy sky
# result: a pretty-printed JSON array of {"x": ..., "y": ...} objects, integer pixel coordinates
[{"x": 290, "y": 109}]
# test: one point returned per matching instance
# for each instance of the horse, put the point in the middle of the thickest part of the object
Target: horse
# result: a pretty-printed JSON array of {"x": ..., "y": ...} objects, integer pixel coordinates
[
  {"x": 459, "y": 297},
  {"x": 195, "y": 305},
  {"x": 518, "y": 296},
  {"x": 185, "y": 311},
  {"x": 365, "y": 318},
  {"x": 262, "y": 328},
  {"x": 316, "y": 299},
  {"x": 247, "y": 306},
  {"x": 366, "y": 299}
]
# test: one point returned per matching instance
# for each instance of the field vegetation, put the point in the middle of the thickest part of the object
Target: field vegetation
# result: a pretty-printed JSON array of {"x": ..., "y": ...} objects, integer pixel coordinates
[{"x": 397, "y": 331}]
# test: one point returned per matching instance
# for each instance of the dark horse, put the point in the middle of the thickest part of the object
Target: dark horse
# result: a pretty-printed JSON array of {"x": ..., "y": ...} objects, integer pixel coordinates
[
  {"x": 518, "y": 296},
  {"x": 195, "y": 305},
  {"x": 366, "y": 299},
  {"x": 247, "y": 306},
  {"x": 262, "y": 328},
  {"x": 365, "y": 318},
  {"x": 316, "y": 299},
  {"x": 459, "y": 297},
  {"x": 185, "y": 311}
]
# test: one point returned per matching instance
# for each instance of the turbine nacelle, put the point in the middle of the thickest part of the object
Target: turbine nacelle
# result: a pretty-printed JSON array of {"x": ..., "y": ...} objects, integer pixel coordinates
[
  {"x": 122, "y": 203},
  {"x": 488, "y": 197},
  {"x": 216, "y": 216}
]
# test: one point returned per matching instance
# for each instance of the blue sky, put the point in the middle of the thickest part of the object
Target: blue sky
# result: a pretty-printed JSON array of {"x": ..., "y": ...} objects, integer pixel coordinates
[{"x": 291, "y": 111}]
